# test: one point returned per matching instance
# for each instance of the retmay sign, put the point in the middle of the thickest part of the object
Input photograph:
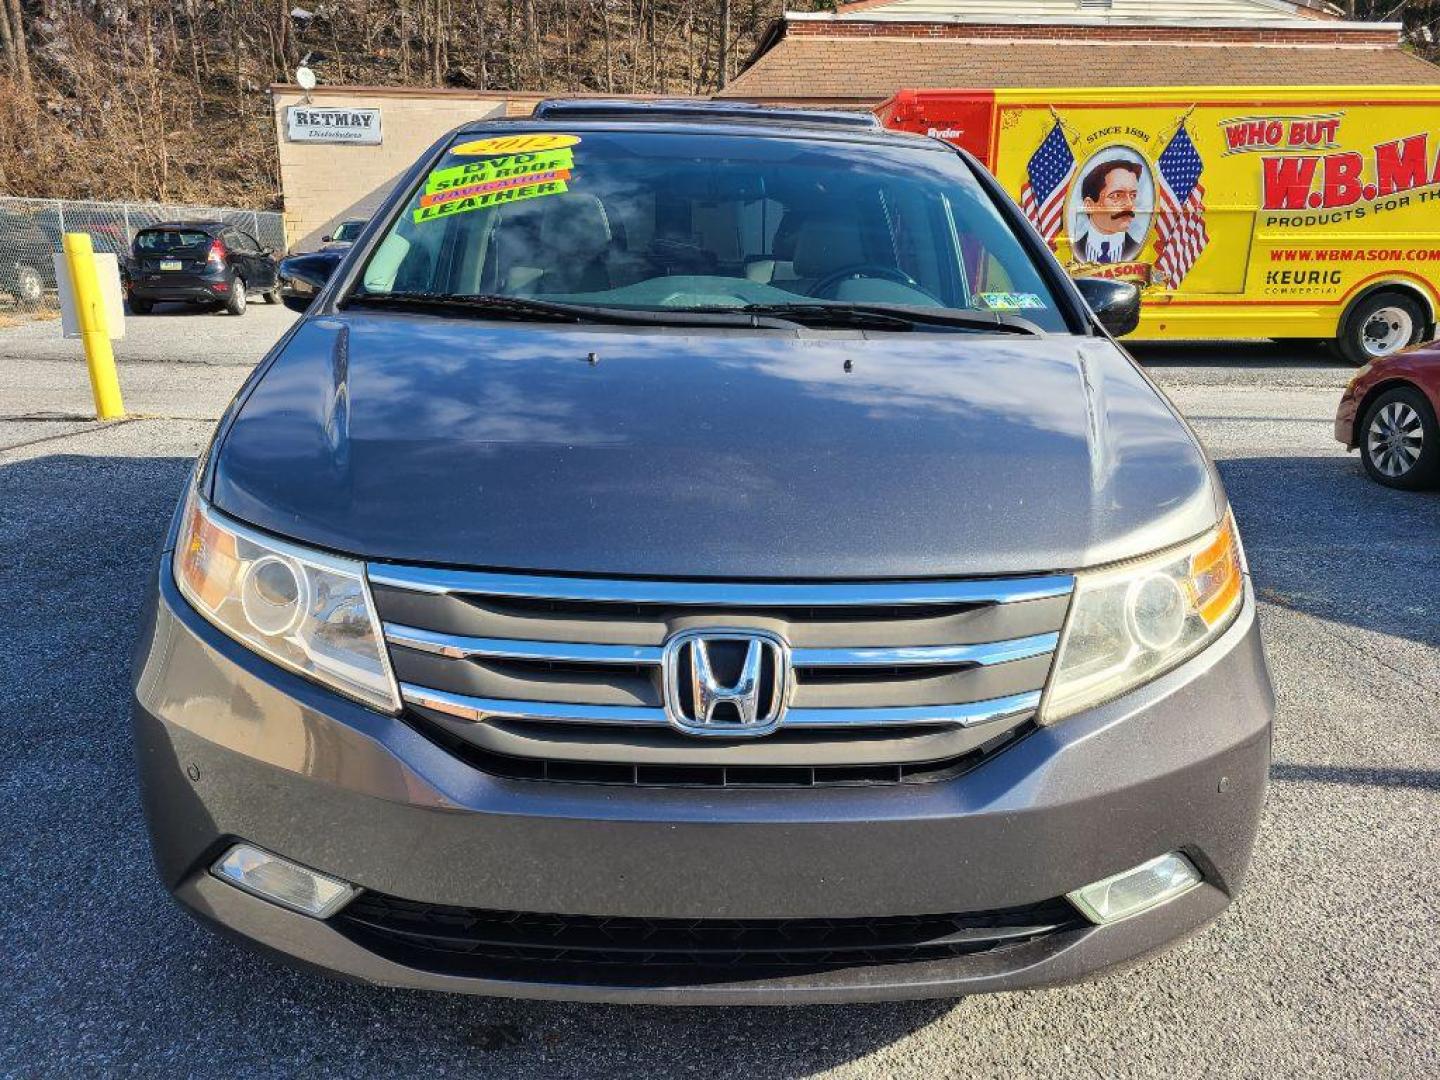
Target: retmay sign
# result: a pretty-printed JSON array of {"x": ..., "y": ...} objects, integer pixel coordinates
[{"x": 306, "y": 124}]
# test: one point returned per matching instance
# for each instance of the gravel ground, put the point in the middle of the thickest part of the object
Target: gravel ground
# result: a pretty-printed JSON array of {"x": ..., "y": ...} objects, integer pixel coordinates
[{"x": 1325, "y": 965}]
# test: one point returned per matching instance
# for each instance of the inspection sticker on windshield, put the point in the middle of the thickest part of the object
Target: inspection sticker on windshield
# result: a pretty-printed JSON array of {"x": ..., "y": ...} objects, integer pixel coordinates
[
  {"x": 514, "y": 176},
  {"x": 1010, "y": 301}
]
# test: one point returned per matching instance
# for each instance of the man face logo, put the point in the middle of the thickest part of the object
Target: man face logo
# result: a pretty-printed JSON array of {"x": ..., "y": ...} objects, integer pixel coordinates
[{"x": 1111, "y": 191}]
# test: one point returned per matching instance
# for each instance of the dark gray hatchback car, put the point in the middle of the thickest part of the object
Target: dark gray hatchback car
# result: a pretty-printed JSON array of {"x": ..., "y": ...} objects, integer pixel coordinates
[{"x": 703, "y": 555}]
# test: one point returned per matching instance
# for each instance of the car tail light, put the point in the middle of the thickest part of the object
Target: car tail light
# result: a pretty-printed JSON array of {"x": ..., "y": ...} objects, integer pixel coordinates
[{"x": 216, "y": 258}]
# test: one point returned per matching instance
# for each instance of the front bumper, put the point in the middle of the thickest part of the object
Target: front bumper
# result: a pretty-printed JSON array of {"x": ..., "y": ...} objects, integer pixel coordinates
[
  {"x": 231, "y": 747},
  {"x": 1345, "y": 417}
]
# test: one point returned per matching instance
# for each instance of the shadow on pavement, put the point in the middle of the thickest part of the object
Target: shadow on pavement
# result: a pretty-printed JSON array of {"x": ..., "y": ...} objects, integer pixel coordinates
[
  {"x": 1424, "y": 779},
  {"x": 1229, "y": 354},
  {"x": 1324, "y": 539},
  {"x": 112, "y": 976},
  {"x": 160, "y": 310}
]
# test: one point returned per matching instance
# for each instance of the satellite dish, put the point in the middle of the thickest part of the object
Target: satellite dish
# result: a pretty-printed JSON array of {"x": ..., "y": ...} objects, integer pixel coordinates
[{"x": 305, "y": 78}]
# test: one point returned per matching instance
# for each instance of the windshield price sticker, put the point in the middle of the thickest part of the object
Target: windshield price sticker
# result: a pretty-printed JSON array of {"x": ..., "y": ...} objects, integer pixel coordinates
[
  {"x": 455, "y": 194},
  {"x": 1006, "y": 301},
  {"x": 514, "y": 144},
  {"x": 517, "y": 193},
  {"x": 528, "y": 173},
  {"x": 500, "y": 168}
]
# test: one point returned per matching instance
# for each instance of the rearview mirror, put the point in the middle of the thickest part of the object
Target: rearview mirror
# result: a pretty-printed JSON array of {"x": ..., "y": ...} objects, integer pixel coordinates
[
  {"x": 326, "y": 238},
  {"x": 1115, "y": 303},
  {"x": 303, "y": 276}
]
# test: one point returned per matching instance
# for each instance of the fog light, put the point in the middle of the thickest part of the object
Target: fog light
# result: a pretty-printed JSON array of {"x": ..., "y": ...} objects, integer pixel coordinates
[
  {"x": 1129, "y": 893},
  {"x": 283, "y": 882}
]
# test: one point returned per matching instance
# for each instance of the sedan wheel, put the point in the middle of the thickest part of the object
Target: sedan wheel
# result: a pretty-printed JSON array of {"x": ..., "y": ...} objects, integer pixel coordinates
[
  {"x": 29, "y": 286},
  {"x": 236, "y": 304},
  {"x": 1401, "y": 446}
]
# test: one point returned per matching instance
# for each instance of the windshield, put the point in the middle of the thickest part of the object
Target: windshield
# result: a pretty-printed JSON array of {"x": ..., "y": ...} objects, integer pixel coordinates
[
  {"x": 684, "y": 222},
  {"x": 170, "y": 239},
  {"x": 348, "y": 230}
]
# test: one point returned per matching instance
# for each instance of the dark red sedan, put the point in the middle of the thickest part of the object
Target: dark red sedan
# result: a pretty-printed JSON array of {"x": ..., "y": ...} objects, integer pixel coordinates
[{"x": 1388, "y": 412}]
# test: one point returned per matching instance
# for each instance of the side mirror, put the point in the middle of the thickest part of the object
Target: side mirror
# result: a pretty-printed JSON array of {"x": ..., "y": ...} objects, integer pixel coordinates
[
  {"x": 1115, "y": 303},
  {"x": 303, "y": 276},
  {"x": 326, "y": 238}
]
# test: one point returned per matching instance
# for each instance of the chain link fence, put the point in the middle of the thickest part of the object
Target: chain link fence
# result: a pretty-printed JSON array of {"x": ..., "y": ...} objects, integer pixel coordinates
[{"x": 31, "y": 231}]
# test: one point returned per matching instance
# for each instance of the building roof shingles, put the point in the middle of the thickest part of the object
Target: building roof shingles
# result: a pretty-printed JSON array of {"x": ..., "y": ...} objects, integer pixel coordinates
[
  {"x": 850, "y": 7},
  {"x": 850, "y": 69}
]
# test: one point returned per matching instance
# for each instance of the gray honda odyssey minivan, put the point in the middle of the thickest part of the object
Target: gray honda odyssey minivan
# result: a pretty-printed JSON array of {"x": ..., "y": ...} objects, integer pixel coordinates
[{"x": 700, "y": 553}]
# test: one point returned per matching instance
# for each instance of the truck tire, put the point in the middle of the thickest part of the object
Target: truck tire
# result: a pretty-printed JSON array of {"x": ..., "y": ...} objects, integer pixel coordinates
[
  {"x": 141, "y": 307},
  {"x": 1400, "y": 440},
  {"x": 1378, "y": 325}
]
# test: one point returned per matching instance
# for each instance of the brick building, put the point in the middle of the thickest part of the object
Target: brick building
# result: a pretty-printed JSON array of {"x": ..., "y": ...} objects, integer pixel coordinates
[{"x": 864, "y": 51}]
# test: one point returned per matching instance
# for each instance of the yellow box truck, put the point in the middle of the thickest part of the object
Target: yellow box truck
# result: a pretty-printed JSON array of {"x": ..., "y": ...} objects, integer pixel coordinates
[{"x": 1242, "y": 212}]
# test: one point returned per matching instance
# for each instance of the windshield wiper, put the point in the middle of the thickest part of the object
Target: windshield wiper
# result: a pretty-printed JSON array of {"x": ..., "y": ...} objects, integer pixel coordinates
[
  {"x": 895, "y": 317},
  {"x": 530, "y": 309}
]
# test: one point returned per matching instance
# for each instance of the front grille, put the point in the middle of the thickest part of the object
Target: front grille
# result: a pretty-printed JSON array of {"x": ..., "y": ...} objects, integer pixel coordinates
[
  {"x": 556, "y": 678},
  {"x": 483, "y": 943}
]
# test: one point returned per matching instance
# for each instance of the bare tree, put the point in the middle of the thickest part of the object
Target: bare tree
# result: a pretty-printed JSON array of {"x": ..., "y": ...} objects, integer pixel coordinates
[
  {"x": 723, "y": 75},
  {"x": 7, "y": 43},
  {"x": 19, "y": 46}
]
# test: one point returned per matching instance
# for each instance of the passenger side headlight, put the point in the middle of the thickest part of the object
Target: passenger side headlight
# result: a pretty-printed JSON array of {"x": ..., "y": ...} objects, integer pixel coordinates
[
  {"x": 1131, "y": 623},
  {"x": 306, "y": 610}
]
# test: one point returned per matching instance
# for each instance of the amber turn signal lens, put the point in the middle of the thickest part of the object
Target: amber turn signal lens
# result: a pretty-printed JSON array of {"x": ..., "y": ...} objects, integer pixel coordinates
[{"x": 1217, "y": 576}]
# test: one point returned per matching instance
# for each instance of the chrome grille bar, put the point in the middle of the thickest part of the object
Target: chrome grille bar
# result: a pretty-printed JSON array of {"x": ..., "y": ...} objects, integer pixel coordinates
[
  {"x": 970, "y": 714},
  {"x": 569, "y": 652},
  {"x": 720, "y": 594},
  {"x": 481, "y": 709},
  {"x": 459, "y": 647},
  {"x": 994, "y": 652}
]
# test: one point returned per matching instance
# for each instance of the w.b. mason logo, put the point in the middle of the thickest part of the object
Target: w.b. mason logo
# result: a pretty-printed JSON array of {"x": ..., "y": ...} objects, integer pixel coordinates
[{"x": 726, "y": 682}]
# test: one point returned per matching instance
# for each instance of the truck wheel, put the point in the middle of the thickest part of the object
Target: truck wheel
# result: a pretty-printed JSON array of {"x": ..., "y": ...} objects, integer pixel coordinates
[
  {"x": 1378, "y": 326},
  {"x": 141, "y": 307},
  {"x": 235, "y": 305},
  {"x": 272, "y": 296},
  {"x": 1400, "y": 441}
]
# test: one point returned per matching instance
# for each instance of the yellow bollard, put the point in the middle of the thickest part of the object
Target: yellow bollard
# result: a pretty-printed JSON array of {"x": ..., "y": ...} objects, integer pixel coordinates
[{"x": 90, "y": 307}]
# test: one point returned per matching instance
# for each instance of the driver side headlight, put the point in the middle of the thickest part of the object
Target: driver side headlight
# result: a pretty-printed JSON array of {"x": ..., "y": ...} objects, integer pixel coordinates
[
  {"x": 305, "y": 610},
  {"x": 1131, "y": 623}
]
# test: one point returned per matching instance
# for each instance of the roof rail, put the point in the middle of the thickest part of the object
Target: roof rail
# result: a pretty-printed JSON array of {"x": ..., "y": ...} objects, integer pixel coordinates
[{"x": 700, "y": 112}]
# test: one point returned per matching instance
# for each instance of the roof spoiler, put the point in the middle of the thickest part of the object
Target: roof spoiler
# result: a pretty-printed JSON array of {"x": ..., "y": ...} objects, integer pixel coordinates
[{"x": 700, "y": 112}]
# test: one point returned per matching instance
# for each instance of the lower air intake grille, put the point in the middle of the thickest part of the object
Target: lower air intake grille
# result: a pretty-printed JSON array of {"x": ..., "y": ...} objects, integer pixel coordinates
[
  {"x": 632, "y": 951},
  {"x": 629, "y": 774}
]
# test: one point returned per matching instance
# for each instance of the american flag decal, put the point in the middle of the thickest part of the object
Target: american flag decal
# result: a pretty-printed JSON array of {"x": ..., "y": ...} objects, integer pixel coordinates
[
  {"x": 1180, "y": 224},
  {"x": 1050, "y": 171}
]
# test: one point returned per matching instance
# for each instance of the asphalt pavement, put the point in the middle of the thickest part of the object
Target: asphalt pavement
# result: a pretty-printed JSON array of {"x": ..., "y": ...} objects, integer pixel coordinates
[{"x": 1326, "y": 965}]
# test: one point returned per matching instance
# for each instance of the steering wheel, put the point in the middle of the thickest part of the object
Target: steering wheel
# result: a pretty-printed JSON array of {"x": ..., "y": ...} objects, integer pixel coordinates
[{"x": 868, "y": 270}]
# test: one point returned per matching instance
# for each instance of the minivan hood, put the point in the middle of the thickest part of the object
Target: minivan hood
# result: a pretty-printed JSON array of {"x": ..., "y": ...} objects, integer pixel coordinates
[{"x": 694, "y": 453}]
